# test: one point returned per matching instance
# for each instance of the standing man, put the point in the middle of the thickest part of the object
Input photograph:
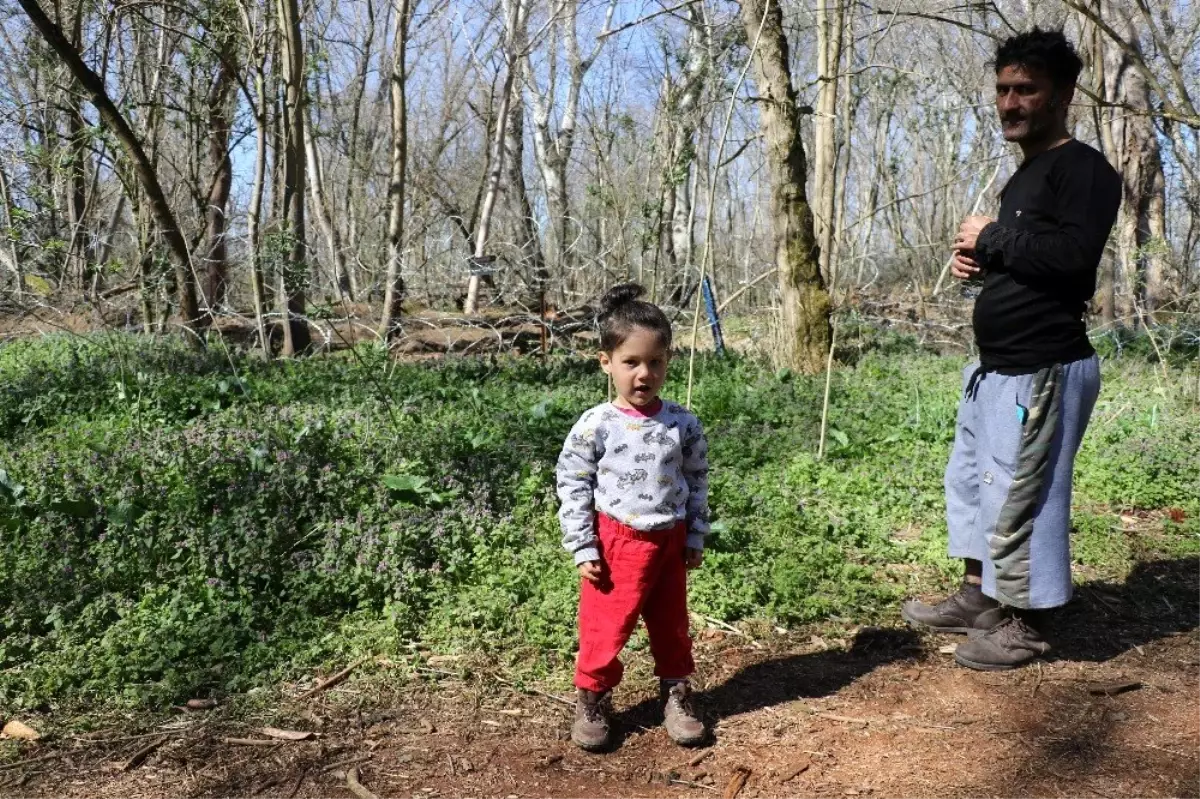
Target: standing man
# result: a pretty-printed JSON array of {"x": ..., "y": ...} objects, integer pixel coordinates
[{"x": 1027, "y": 402}]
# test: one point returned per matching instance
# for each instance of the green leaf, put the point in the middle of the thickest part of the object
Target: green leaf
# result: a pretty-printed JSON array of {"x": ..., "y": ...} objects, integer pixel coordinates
[
  {"x": 405, "y": 482},
  {"x": 123, "y": 514}
]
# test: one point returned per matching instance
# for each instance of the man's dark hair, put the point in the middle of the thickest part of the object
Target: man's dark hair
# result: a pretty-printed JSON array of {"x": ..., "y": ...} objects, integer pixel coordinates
[
  {"x": 1048, "y": 52},
  {"x": 621, "y": 311}
]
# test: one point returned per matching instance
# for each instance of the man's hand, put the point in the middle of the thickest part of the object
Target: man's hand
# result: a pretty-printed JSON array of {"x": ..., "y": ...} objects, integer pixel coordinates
[
  {"x": 590, "y": 571},
  {"x": 692, "y": 558},
  {"x": 963, "y": 266},
  {"x": 968, "y": 232}
]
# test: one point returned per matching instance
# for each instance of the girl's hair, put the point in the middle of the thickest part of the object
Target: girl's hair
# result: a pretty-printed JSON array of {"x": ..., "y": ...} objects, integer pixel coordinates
[{"x": 621, "y": 311}]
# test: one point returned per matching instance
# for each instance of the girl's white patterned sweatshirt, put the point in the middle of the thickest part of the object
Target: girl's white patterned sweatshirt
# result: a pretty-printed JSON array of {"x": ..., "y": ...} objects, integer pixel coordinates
[{"x": 648, "y": 472}]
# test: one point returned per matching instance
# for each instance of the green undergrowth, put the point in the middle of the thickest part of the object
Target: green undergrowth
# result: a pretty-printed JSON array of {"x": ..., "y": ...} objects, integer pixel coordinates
[{"x": 175, "y": 524}]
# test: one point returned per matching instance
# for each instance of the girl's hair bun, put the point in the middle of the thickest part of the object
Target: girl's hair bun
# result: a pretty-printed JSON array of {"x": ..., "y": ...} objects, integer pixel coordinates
[{"x": 618, "y": 296}]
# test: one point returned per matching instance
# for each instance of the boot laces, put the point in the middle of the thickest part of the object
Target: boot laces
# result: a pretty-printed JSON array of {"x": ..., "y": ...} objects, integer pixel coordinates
[
  {"x": 679, "y": 699},
  {"x": 594, "y": 712},
  {"x": 1014, "y": 630},
  {"x": 952, "y": 602}
]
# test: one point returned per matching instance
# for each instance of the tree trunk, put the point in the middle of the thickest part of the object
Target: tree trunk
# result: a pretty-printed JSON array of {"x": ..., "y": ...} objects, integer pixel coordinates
[
  {"x": 77, "y": 252},
  {"x": 533, "y": 262},
  {"x": 525, "y": 238},
  {"x": 254, "y": 215},
  {"x": 296, "y": 337},
  {"x": 806, "y": 308},
  {"x": 393, "y": 297},
  {"x": 1131, "y": 143},
  {"x": 320, "y": 203},
  {"x": 110, "y": 232},
  {"x": 259, "y": 104},
  {"x": 683, "y": 119},
  {"x": 8, "y": 254},
  {"x": 216, "y": 260},
  {"x": 496, "y": 165},
  {"x": 552, "y": 148},
  {"x": 93, "y": 84},
  {"x": 354, "y": 170},
  {"x": 830, "y": 25}
]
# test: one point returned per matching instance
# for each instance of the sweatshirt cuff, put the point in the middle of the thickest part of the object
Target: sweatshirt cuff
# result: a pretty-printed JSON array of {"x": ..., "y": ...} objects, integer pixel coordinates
[
  {"x": 695, "y": 541},
  {"x": 985, "y": 254},
  {"x": 586, "y": 555}
]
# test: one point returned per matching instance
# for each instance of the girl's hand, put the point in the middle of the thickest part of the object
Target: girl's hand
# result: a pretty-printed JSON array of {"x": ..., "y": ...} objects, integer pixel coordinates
[
  {"x": 590, "y": 571},
  {"x": 692, "y": 558}
]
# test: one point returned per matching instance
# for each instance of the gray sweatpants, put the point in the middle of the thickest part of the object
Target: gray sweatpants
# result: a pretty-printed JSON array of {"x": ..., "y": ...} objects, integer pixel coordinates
[{"x": 1008, "y": 483}]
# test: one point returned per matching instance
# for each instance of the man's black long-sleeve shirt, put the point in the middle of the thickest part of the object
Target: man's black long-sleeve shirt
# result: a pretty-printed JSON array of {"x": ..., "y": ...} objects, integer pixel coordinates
[{"x": 1041, "y": 257}]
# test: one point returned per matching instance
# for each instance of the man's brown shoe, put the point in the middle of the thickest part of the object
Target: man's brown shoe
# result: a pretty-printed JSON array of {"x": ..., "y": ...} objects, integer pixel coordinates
[
  {"x": 593, "y": 726},
  {"x": 1011, "y": 643},
  {"x": 968, "y": 609},
  {"x": 679, "y": 714}
]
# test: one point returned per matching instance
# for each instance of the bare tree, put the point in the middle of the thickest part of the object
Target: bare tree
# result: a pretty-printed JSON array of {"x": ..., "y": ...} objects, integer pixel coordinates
[
  {"x": 9, "y": 256},
  {"x": 394, "y": 286},
  {"x": 831, "y": 23},
  {"x": 512, "y": 15},
  {"x": 293, "y": 277},
  {"x": 219, "y": 124},
  {"x": 553, "y": 147},
  {"x": 804, "y": 300},
  {"x": 93, "y": 84},
  {"x": 526, "y": 240},
  {"x": 681, "y": 118},
  {"x": 1130, "y": 141}
]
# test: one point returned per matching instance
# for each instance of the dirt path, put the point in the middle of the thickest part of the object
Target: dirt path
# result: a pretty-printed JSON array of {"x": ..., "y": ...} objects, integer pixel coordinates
[{"x": 885, "y": 714}]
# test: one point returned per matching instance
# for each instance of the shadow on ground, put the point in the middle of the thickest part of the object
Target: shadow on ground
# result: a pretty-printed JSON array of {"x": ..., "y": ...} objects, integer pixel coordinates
[
  {"x": 778, "y": 680},
  {"x": 1159, "y": 598},
  {"x": 1080, "y": 739}
]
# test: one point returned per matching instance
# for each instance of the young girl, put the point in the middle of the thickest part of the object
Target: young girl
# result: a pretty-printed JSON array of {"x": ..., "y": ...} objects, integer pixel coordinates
[{"x": 633, "y": 480}]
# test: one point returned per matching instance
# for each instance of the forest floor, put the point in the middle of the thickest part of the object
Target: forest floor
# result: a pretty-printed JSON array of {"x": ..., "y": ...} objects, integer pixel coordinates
[{"x": 879, "y": 712}]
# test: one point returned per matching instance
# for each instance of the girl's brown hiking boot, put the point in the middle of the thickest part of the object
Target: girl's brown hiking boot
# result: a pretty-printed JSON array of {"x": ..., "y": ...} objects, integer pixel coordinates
[
  {"x": 679, "y": 714},
  {"x": 592, "y": 730}
]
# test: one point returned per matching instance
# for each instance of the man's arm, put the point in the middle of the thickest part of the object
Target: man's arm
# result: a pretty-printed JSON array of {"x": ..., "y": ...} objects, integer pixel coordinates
[{"x": 1087, "y": 198}]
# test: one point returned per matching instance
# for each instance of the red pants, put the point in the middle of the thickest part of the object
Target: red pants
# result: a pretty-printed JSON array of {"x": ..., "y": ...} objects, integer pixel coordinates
[{"x": 643, "y": 574}]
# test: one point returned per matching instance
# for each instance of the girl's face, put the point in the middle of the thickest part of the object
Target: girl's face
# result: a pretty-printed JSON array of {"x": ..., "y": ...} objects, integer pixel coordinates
[{"x": 638, "y": 368}]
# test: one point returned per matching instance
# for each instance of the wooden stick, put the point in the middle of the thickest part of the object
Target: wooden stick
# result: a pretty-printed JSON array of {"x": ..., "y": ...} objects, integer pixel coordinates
[
  {"x": 690, "y": 784},
  {"x": 740, "y": 775},
  {"x": 357, "y": 787},
  {"x": 332, "y": 681},
  {"x": 299, "y": 782},
  {"x": 646, "y": 18},
  {"x": 251, "y": 742},
  {"x": 140, "y": 755},
  {"x": 528, "y": 690},
  {"x": 30, "y": 761},
  {"x": 350, "y": 762},
  {"x": 828, "y": 384},
  {"x": 843, "y": 719},
  {"x": 746, "y": 288},
  {"x": 795, "y": 771}
]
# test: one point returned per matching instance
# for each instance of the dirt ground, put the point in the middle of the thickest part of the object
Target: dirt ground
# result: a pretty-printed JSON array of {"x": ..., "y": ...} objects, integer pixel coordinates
[{"x": 1115, "y": 712}]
